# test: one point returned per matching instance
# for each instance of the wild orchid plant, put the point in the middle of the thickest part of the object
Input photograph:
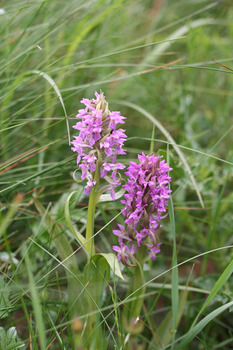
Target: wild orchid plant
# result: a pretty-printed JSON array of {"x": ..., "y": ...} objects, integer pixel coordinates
[
  {"x": 145, "y": 202},
  {"x": 98, "y": 144}
]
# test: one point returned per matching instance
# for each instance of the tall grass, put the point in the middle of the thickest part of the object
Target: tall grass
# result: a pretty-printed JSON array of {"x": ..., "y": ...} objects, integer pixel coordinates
[{"x": 156, "y": 62}]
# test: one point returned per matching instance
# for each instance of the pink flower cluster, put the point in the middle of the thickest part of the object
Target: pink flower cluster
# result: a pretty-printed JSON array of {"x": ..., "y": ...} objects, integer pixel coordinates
[
  {"x": 99, "y": 142},
  {"x": 146, "y": 198}
]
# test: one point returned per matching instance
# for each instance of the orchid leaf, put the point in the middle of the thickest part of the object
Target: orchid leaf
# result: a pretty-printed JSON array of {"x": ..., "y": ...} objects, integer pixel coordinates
[
  {"x": 78, "y": 235},
  {"x": 96, "y": 278},
  {"x": 113, "y": 263}
]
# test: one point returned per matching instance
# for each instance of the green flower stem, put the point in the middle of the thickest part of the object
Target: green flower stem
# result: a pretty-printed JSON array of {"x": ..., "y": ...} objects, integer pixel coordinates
[
  {"x": 131, "y": 315},
  {"x": 90, "y": 247},
  {"x": 138, "y": 282},
  {"x": 137, "y": 290},
  {"x": 94, "y": 195}
]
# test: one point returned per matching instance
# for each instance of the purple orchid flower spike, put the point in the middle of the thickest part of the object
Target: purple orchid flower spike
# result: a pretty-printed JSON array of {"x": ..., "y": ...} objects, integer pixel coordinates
[
  {"x": 98, "y": 143},
  {"x": 145, "y": 201}
]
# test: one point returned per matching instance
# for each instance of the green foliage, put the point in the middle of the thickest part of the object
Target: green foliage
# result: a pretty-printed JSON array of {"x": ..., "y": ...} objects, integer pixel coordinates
[
  {"x": 97, "y": 276},
  {"x": 4, "y": 297},
  {"x": 113, "y": 263},
  {"x": 156, "y": 62},
  {"x": 10, "y": 340}
]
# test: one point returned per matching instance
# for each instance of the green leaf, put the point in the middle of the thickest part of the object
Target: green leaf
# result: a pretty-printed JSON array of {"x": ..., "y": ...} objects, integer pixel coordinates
[
  {"x": 113, "y": 263},
  {"x": 198, "y": 328},
  {"x": 37, "y": 308},
  {"x": 152, "y": 140},
  {"x": 66, "y": 254},
  {"x": 78, "y": 235},
  {"x": 96, "y": 278},
  {"x": 218, "y": 285},
  {"x": 9, "y": 339},
  {"x": 6, "y": 220},
  {"x": 175, "y": 274},
  {"x": 4, "y": 298},
  {"x": 163, "y": 334}
]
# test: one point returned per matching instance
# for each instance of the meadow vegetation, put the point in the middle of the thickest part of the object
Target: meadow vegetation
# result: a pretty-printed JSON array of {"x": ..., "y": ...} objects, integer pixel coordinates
[{"x": 167, "y": 66}]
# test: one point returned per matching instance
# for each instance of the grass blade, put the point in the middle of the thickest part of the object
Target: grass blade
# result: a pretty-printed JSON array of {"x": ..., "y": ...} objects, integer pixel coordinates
[
  {"x": 218, "y": 285},
  {"x": 170, "y": 139},
  {"x": 199, "y": 327},
  {"x": 36, "y": 306}
]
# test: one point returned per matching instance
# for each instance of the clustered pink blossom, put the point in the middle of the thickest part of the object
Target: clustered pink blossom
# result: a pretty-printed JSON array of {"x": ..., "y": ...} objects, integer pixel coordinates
[
  {"x": 99, "y": 142},
  {"x": 145, "y": 201}
]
